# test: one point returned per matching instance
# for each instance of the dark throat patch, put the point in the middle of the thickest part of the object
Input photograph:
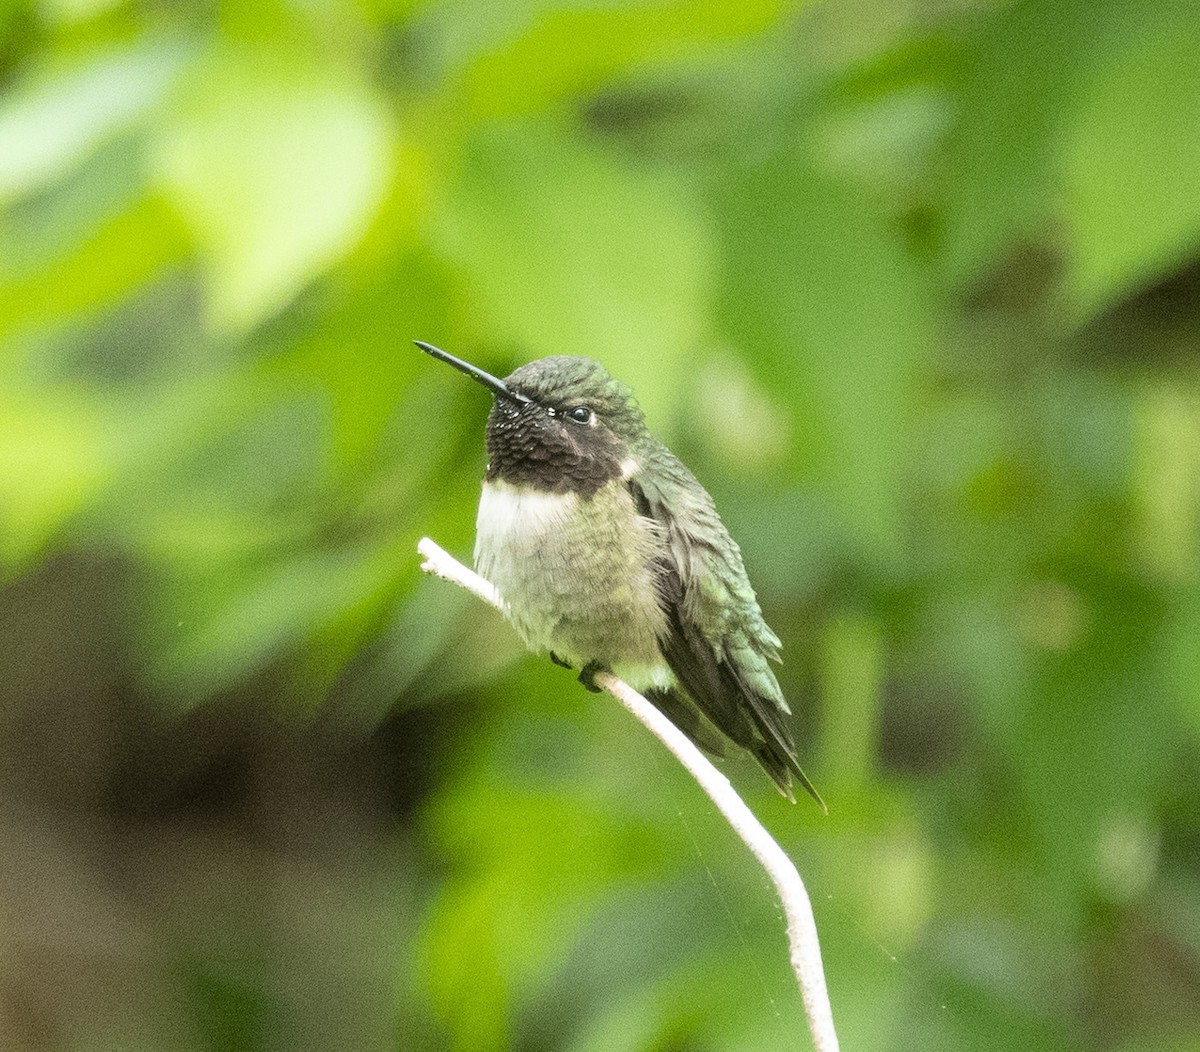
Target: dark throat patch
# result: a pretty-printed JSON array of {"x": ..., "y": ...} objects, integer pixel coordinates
[{"x": 528, "y": 447}]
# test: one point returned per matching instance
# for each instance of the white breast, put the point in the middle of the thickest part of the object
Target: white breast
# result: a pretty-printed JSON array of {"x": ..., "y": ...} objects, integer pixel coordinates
[
  {"x": 507, "y": 511},
  {"x": 522, "y": 537},
  {"x": 513, "y": 529}
]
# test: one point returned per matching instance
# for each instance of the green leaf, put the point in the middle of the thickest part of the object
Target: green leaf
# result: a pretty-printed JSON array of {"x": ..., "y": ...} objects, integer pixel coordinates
[
  {"x": 1002, "y": 152},
  {"x": 566, "y": 252},
  {"x": 534, "y": 864},
  {"x": 1181, "y": 662},
  {"x": 820, "y": 293},
  {"x": 1132, "y": 157},
  {"x": 121, "y": 253},
  {"x": 248, "y": 617},
  {"x": 56, "y": 119},
  {"x": 278, "y": 167},
  {"x": 56, "y": 456},
  {"x": 564, "y": 51},
  {"x": 1164, "y": 481}
]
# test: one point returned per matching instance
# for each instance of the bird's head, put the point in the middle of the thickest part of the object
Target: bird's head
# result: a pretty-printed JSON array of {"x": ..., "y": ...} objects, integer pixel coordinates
[{"x": 559, "y": 424}]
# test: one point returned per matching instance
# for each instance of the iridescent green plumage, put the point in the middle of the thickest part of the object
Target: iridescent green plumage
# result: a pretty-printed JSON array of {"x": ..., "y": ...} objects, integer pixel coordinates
[{"x": 718, "y": 645}]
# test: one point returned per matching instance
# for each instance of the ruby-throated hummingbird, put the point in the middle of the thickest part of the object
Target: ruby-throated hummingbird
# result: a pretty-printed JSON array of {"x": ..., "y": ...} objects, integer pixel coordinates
[{"x": 610, "y": 555}]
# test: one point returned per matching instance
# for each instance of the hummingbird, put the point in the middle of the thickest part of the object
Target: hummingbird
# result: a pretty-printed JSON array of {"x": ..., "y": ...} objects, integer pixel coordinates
[{"x": 610, "y": 556}]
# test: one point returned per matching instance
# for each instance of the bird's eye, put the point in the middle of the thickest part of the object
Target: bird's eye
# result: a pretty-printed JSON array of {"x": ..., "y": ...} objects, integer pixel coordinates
[{"x": 581, "y": 414}]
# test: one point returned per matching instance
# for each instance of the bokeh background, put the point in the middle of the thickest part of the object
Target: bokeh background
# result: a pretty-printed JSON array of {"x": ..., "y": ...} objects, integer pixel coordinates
[{"x": 914, "y": 287}]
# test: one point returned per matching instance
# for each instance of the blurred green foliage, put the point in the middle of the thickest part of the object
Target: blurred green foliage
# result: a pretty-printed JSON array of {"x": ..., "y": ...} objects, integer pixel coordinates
[{"x": 914, "y": 288}]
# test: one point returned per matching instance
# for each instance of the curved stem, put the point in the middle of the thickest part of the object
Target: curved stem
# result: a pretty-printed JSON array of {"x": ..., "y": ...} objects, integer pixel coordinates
[{"x": 801, "y": 926}]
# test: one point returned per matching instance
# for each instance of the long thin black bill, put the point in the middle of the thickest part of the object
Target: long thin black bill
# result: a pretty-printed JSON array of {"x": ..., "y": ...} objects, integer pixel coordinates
[{"x": 495, "y": 385}]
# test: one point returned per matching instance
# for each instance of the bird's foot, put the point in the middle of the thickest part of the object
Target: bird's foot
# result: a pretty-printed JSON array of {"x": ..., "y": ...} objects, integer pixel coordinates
[
  {"x": 559, "y": 661},
  {"x": 588, "y": 676}
]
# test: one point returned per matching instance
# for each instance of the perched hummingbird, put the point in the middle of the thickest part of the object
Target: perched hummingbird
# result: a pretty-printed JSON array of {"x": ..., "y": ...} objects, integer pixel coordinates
[{"x": 610, "y": 555}]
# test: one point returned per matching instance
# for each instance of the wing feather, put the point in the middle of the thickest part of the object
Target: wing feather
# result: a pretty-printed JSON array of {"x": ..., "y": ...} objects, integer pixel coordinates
[{"x": 717, "y": 643}]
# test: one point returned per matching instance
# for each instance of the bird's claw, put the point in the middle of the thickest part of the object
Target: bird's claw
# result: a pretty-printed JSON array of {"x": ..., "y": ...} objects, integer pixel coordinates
[{"x": 588, "y": 676}]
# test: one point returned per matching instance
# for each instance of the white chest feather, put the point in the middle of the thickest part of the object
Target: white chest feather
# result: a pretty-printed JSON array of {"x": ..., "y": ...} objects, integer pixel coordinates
[
  {"x": 521, "y": 535},
  {"x": 512, "y": 510}
]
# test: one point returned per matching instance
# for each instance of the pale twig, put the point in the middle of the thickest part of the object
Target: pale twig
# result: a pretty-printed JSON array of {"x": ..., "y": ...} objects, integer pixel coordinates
[{"x": 801, "y": 927}]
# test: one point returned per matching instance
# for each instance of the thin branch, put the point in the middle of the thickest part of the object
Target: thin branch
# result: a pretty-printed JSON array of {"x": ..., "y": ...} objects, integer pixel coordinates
[{"x": 801, "y": 927}]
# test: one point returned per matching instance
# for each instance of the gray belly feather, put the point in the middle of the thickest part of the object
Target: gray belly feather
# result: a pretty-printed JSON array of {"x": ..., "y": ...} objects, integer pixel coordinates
[{"x": 576, "y": 575}]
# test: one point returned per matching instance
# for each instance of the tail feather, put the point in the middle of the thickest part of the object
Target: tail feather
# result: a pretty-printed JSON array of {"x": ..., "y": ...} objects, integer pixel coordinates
[
  {"x": 782, "y": 768},
  {"x": 681, "y": 712}
]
